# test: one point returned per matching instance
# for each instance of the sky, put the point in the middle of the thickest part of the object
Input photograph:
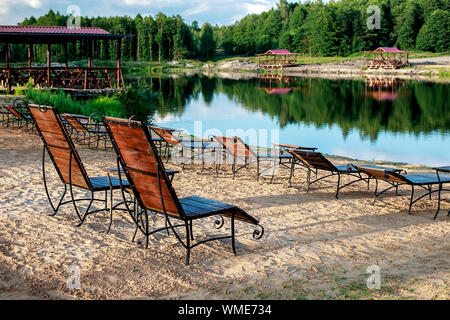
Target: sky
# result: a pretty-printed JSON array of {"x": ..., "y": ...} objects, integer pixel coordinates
[{"x": 221, "y": 12}]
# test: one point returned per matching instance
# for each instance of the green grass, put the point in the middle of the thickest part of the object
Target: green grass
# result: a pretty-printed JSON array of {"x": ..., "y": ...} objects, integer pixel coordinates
[
  {"x": 66, "y": 104},
  {"x": 444, "y": 74},
  {"x": 120, "y": 105}
]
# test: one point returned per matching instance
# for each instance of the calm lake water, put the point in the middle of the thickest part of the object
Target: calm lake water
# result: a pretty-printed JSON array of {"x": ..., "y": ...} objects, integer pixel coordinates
[{"x": 375, "y": 119}]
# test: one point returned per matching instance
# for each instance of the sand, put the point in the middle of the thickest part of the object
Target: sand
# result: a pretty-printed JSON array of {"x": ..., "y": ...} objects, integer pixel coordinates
[{"x": 314, "y": 246}]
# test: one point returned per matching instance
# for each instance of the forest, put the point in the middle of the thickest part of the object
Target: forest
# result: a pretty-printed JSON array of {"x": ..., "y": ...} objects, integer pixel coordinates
[{"x": 315, "y": 28}]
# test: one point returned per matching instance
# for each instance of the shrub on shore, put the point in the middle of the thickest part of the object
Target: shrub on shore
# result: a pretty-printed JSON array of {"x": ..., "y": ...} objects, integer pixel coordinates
[{"x": 122, "y": 104}]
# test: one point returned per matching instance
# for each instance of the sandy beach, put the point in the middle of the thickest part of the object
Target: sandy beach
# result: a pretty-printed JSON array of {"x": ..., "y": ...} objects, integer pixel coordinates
[{"x": 314, "y": 247}]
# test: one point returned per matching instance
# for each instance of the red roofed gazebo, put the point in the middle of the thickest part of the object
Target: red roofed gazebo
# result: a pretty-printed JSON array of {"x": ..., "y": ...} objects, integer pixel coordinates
[
  {"x": 277, "y": 59},
  {"x": 68, "y": 78},
  {"x": 386, "y": 58}
]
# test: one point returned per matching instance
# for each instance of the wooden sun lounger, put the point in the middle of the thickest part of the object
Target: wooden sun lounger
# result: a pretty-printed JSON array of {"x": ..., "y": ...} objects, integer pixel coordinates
[
  {"x": 90, "y": 131},
  {"x": 241, "y": 152},
  {"x": 397, "y": 177},
  {"x": 196, "y": 146},
  {"x": 61, "y": 149},
  {"x": 6, "y": 116},
  {"x": 20, "y": 117},
  {"x": 142, "y": 165},
  {"x": 315, "y": 161},
  {"x": 295, "y": 163}
]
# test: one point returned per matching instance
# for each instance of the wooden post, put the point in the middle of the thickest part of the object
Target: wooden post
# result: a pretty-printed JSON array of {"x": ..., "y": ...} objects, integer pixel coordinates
[
  {"x": 119, "y": 62},
  {"x": 49, "y": 65},
  {"x": 66, "y": 63},
  {"x": 7, "y": 66},
  {"x": 89, "y": 53},
  {"x": 29, "y": 55}
]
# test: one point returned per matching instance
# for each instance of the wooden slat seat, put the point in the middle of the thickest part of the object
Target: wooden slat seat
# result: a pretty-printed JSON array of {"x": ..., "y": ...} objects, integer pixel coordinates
[
  {"x": 347, "y": 168},
  {"x": 423, "y": 178},
  {"x": 102, "y": 183}
]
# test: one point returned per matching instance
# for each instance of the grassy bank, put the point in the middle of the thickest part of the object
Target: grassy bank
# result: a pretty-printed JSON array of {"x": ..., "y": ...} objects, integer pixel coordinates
[{"x": 122, "y": 104}]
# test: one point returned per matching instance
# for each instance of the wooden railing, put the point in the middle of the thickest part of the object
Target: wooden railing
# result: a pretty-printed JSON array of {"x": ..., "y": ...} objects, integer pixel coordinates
[{"x": 62, "y": 77}]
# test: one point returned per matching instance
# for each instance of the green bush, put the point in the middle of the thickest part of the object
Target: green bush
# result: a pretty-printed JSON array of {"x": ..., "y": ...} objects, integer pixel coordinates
[{"x": 121, "y": 105}]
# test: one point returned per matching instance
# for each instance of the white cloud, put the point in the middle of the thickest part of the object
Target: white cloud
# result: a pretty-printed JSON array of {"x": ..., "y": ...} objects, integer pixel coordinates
[
  {"x": 36, "y": 4},
  {"x": 213, "y": 11},
  {"x": 10, "y": 9},
  {"x": 204, "y": 7}
]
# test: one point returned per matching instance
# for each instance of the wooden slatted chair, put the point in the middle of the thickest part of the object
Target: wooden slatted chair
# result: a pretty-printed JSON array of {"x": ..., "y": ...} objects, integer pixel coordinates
[
  {"x": 197, "y": 147},
  {"x": 59, "y": 146},
  {"x": 315, "y": 161},
  {"x": 398, "y": 177},
  {"x": 295, "y": 162},
  {"x": 153, "y": 191},
  {"x": 6, "y": 117},
  {"x": 243, "y": 156},
  {"x": 90, "y": 131},
  {"x": 19, "y": 117}
]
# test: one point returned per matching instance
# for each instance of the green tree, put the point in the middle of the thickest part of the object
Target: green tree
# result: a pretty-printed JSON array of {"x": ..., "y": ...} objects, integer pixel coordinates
[
  {"x": 434, "y": 35},
  {"x": 408, "y": 25},
  {"x": 207, "y": 42}
]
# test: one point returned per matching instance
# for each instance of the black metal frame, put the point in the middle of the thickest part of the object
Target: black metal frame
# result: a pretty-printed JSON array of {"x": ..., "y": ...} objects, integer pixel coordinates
[
  {"x": 140, "y": 213},
  {"x": 72, "y": 154},
  {"x": 427, "y": 186},
  {"x": 334, "y": 171},
  {"x": 439, "y": 192},
  {"x": 21, "y": 119}
]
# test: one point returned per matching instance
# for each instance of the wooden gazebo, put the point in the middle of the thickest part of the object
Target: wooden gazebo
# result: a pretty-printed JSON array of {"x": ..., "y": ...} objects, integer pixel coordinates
[
  {"x": 386, "y": 58},
  {"x": 66, "y": 77},
  {"x": 277, "y": 59}
]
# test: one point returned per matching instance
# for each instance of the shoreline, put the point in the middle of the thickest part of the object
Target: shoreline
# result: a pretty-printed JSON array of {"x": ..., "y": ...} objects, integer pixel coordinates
[{"x": 421, "y": 69}]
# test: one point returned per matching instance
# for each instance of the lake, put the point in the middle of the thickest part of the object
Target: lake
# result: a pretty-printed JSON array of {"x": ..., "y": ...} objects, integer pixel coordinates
[{"x": 373, "y": 119}]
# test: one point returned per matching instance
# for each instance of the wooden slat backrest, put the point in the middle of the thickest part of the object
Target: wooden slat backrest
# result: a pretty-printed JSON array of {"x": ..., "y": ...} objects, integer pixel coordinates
[
  {"x": 59, "y": 145},
  {"x": 314, "y": 160},
  {"x": 141, "y": 163},
  {"x": 235, "y": 146},
  {"x": 14, "y": 111},
  {"x": 166, "y": 135},
  {"x": 74, "y": 122}
]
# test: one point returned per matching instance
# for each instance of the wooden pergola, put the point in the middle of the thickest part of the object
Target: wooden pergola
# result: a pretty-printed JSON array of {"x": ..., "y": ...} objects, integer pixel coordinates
[
  {"x": 386, "y": 58},
  {"x": 66, "y": 77},
  {"x": 277, "y": 59},
  {"x": 383, "y": 89},
  {"x": 275, "y": 84}
]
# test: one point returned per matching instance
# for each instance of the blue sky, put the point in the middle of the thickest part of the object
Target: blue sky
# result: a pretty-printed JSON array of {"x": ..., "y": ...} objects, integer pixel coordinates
[{"x": 222, "y": 12}]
